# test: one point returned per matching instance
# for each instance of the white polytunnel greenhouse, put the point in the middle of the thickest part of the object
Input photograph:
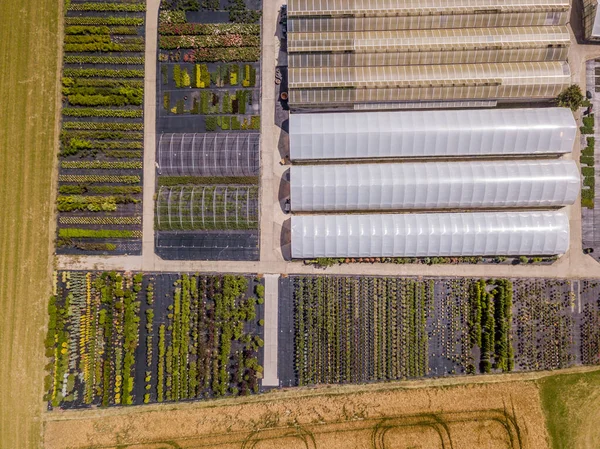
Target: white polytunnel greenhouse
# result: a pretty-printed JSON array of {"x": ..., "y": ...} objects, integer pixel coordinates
[
  {"x": 210, "y": 154},
  {"x": 430, "y": 235},
  {"x": 434, "y": 185},
  {"x": 418, "y": 133}
]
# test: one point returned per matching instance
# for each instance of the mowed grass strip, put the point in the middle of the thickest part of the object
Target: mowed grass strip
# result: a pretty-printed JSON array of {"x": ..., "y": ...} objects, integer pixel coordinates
[{"x": 29, "y": 37}]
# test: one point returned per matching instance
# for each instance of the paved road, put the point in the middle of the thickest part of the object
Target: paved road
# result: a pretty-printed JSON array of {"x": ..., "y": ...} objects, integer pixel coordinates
[{"x": 270, "y": 378}]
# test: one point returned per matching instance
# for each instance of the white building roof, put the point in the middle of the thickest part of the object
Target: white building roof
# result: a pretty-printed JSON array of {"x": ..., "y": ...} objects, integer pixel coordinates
[
  {"x": 434, "y": 185},
  {"x": 430, "y": 235},
  {"x": 444, "y": 133}
]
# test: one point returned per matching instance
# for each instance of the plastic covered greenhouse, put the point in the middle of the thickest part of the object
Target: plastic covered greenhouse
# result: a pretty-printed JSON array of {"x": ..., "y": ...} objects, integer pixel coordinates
[
  {"x": 211, "y": 154},
  {"x": 434, "y": 185},
  {"x": 317, "y": 24},
  {"x": 432, "y": 133},
  {"x": 430, "y": 235},
  {"x": 418, "y": 7}
]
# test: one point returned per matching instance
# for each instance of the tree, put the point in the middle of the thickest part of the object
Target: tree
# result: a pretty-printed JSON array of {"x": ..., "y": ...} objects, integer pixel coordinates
[{"x": 571, "y": 97}]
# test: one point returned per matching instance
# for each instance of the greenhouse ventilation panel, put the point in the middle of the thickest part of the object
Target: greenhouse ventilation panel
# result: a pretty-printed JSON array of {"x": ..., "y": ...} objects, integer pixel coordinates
[
  {"x": 434, "y": 185},
  {"x": 450, "y": 133},
  {"x": 430, "y": 235}
]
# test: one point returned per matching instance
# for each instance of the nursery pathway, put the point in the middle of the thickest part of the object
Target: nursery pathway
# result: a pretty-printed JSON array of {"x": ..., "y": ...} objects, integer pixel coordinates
[
  {"x": 270, "y": 378},
  {"x": 149, "y": 133}
]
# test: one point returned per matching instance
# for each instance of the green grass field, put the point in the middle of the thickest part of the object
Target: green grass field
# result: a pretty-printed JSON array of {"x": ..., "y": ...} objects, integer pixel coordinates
[
  {"x": 571, "y": 403},
  {"x": 29, "y": 53}
]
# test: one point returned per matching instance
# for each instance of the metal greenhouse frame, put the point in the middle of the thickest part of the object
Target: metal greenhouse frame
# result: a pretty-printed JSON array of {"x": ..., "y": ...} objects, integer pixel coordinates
[
  {"x": 449, "y": 133},
  {"x": 207, "y": 207},
  {"x": 434, "y": 185},
  {"x": 210, "y": 154},
  {"x": 430, "y": 235}
]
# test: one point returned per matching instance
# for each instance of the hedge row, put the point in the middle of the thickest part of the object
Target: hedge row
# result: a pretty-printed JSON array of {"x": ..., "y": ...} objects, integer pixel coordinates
[{"x": 97, "y": 112}]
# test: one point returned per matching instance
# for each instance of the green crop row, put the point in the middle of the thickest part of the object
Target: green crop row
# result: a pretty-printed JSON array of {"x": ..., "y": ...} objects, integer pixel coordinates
[{"x": 97, "y": 112}]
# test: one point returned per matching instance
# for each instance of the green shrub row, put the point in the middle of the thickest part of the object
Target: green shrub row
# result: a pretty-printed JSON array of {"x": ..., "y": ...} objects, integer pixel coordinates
[
  {"x": 97, "y": 233},
  {"x": 79, "y": 30},
  {"x": 107, "y": 73},
  {"x": 587, "y": 158},
  {"x": 208, "y": 180},
  {"x": 131, "y": 60},
  {"x": 226, "y": 122},
  {"x": 97, "y": 6},
  {"x": 101, "y": 165},
  {"x": 108, "y": 126},
  {"x": 81, "y": 189},
  {"x": 117, "y": 179},
  {"x": 97, "y": 112},
  {"x": 103, "y": 47},
  {"x": 94, "y": 38},
  {"x": 99, "y": 82},
  {"x": 249, "y": 54},
  {"x": 97, "y": 20},
  {"x": 124, "y": 154},
  {"x": 67, "y": 135}
]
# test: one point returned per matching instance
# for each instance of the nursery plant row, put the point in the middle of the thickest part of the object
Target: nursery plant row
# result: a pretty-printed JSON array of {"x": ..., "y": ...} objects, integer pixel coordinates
[
  {"x": 199, "y": 75},
  {"x": 122, "y": 338},
  {"x": 361, "y": 329},
  {"x": 101, "y": 154},
  {"x": 588, "y": 192}
]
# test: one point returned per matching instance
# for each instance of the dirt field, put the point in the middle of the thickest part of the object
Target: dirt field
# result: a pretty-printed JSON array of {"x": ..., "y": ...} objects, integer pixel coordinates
[
  {"x": 503, "y": 415},
  {"x": 29, "y": 38}
]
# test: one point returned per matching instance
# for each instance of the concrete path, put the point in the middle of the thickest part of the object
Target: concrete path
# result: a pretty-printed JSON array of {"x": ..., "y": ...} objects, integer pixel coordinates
[
  {"x": 271, "y": 171},
  {"x": 271, "y": 378},
  {"x": 149, "y": 133}
]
